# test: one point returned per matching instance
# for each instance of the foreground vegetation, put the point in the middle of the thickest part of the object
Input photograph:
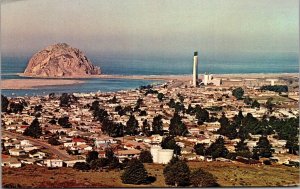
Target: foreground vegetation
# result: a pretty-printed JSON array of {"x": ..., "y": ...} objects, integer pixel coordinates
[{"x": 237, "y": 174}]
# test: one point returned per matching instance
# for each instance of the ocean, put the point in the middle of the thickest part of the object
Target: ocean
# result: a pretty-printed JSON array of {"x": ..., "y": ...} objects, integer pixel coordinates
[{"x": 10, "y": 66}]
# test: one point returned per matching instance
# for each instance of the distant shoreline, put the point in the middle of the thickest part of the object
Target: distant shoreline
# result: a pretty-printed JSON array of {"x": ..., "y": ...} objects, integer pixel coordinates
[
  {"x": 35, "y": 82},
  {"x": 15, "y": 84}
]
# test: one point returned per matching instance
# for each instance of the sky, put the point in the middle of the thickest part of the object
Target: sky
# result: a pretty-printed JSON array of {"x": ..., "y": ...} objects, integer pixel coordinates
[{"x": 167, "y": 28}]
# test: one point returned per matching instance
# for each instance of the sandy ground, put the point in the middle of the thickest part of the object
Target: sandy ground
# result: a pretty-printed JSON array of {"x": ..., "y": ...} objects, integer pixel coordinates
[{"x": 31, "y": 83}]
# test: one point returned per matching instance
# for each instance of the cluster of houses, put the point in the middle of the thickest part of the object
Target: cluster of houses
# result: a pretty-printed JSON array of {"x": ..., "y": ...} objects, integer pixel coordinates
[{"x": 85, "y": 134}]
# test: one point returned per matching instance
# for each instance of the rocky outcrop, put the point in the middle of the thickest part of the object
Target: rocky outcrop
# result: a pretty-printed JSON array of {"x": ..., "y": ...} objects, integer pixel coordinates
[{"x": 60, "y": 60}]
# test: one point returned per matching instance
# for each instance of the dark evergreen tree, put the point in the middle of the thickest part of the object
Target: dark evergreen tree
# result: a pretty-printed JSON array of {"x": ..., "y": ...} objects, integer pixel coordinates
[
  {"x": 64, "y": 122},
  {"x": 67, "y": 99},
  {"x": 157, "y": 125},
  {"x": 131, "y": 126},
  {"x": 92, "y": 155},
  {"x": 177, "y": 127},
  {"x": 263, "y": 147},
  {"x": 160, "y": 97},
  {"x": 81, "y": 166},
  {"x": 217, "y": 149},
  {"x": 242, "y": 149},
  {"x": 171, "y": 103},
  {"x": 255, "y": 104},
  {"x": 53, "y": 141},
  {"x": 199, "y": 149},
  {"x": 99, "y": 163},
  {"x": 4, "y": 103},
  {"x": 170, "y": 143},
  {"x": 34, "y": 130},
  {"x": 201, "y": 178},
  {"x": 238, "y": 93},
  {"x": 177, "y": 173},
  {"x": 146, "y": 128},
  {"x": 202, "y": 115},
  {"x": 146, "y": 157},
  {"x": 135, "y": 173}
]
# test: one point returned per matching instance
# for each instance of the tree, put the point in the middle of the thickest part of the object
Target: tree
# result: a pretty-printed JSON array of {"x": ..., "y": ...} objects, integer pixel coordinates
[
  {"x": 157, "y": 125},
  {"x": 146, "y": 128},
  {"x": 4, "y": 103},
  {"x": 181, "y": 98},
  {"x": 131, "y": 126},
  {"x": 217, "y": 149},
  {"x": 160, "y": 97},
  {"x": 34, "y": 130},
  {"x": 51, "y": 95},
  {"x": 238, "y": 93},
  {"x": 95, "y": 105},
  {"x": 201, "y": 178},
  {"x": 53, "y": 141},
  {"x": 242, "y": 149},
  {"x": 64, "y": 122},
  {"x": 81, "y": 166},
  {"x": 201, "y": 114},
  {"x": 135, "y": 173},
  {"x": 269, "y": 104},
  {"x": 170, "y": 143},
  {"x": 263, "y": 147},
  {"x": 66, "y": 99},
  {"x": 177, "y": 173},
  {"x": 146, "y": 157},
  {"x": 113, "y": 100},
  {"x": 171, "y": 103},
  {"x": 177, "y": 127},
  {"x": 255, "y": 104},
  {"x": 199, "y": 149},
  {"x": 99, "y": 163},
  {"x": 113, "y": 161},
  {"x": 92, "y": 155}
]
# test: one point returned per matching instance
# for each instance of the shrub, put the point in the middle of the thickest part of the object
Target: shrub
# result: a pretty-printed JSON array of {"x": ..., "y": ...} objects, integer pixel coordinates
[{"x": 201, "y": 178}]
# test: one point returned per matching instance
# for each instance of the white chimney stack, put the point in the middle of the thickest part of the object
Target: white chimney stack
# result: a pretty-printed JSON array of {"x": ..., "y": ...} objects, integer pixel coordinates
[{"x": 195, "y": 69}]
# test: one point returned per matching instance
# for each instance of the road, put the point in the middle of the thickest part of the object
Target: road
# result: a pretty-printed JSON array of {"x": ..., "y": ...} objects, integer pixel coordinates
[{"x": 61, "y": 154}]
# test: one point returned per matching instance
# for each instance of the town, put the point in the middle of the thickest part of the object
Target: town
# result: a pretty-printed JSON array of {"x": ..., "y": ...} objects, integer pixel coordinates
[{"x": 239, "y": 121}]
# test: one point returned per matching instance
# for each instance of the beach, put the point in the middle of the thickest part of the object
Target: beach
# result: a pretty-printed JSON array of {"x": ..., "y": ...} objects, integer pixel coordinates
[{"x": 33, "y": 83}]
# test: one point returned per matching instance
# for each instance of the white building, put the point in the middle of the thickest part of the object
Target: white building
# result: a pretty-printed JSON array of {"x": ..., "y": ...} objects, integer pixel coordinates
[{"x": 53, "y": 163}]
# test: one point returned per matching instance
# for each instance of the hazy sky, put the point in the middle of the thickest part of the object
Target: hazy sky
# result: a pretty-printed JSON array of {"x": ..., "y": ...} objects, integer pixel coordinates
[{"x": 151, "y": 27}]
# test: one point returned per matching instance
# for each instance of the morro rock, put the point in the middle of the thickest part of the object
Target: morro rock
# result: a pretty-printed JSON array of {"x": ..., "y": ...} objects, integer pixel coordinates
[{"x": 60, "y": 60}]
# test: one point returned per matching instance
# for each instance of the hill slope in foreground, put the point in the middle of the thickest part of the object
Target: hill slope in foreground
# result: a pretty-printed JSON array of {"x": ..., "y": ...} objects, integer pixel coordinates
[
  {"x": 60, "y": 60},
  {"x": 227, "y": 174}
]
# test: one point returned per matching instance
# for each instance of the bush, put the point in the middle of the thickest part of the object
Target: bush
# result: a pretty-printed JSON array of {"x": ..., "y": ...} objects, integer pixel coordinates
[
  {"x": 81, "y": 166},
  {"x": 201, "y": 178},
  {"x": 99, "y": 163},
  {"x": 267, "y": 162},
  {"x": 135, "y": 173}
]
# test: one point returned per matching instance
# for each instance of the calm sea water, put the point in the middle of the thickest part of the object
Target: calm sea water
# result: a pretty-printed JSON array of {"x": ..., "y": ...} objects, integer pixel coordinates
[{"x": 153, "y": 66}]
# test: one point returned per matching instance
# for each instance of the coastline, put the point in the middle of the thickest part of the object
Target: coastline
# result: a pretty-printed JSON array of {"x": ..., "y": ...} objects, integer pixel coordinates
[{"x": 34, "y": 82}]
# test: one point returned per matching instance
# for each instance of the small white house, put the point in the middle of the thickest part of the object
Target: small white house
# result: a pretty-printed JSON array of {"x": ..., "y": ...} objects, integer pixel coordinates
[
  {"x": 54, "y": 162},
  {"x": 16, "y": 152}
]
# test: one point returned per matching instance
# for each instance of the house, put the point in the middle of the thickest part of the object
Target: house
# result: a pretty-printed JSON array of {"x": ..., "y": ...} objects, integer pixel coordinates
[
  {"x": 53, "y": 163},
  {"x": 16, "y": 152},
  {"x": 71, "y": 163},
  {"x": 37, "y": 154},
  {"x": 25, "y": 143},
  {"x": 123, "y": 154},
  {"x": 10, "y": 162},
  {"x": 28, "y": 161}
]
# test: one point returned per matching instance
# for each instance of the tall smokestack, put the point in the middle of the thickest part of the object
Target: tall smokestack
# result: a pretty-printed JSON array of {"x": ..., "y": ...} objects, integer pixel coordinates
[{"x": 195, "y": 69}]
